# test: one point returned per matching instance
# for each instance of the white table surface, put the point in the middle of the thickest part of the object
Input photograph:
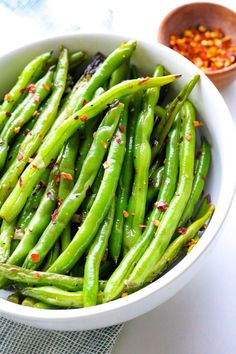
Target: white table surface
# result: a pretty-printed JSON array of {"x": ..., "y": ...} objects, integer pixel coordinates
[{"x": 201, "y": 318}]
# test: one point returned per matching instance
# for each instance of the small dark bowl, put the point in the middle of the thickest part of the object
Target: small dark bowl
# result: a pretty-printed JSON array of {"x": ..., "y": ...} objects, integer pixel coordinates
[{"x": 212, "y": 16}]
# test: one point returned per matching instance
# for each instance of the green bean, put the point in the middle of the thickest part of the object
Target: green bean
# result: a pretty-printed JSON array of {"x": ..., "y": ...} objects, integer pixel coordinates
[
  {"x": 154, "y": 185},
  {"x": 43, "y": 305},
  {"x": 13, "y": 153},
  {"x": 171, "y": 111},
  {"x": 51, "y": 257},
  {"x": 101, "y": 205},
  {"x": 14, "y": 124},
  {"x": 173, "y": 250},
  {"x": 88, "y": 131},
  {"x": 125, "y": 182},
  {"x": 120, "y": 74},
  {"x": 89, "y": 171},
  {"x": 15, "y": 298},
  {"x": 111, "y": 63},
  {"x": 116, "y": 284},
  {"x": 33, "y": 202},
  {"x": 28, "y": 301},
  {"x": 58, "y": 297},
  {"x": 160, "y": 112},
  {"x": 38, "y": 278},
  {"x": 158, "y": 126},
  {"x": 14, "y": 244},
  {"x": 172, "y": 216},
  {"x": 24, "y": 79},
  {"x": 6, "y": 235},
  {"x": 94, "y": 258},
  {"x": 202, "y": 207},
  {"x": 66, "y": 238},
  {"x": 86, "y": 142},
  {"x": 198, "y": 182},
  {"x": 67, "y": 176},
  {"x": 142, "y": 158},
  {"x": 33, "y": 140},
  {"x": 76, "y": 59},
  {"x": 69, "y": 105},
  {"x": 89, "y": 200},
  {"x": 55, "y": 139}
]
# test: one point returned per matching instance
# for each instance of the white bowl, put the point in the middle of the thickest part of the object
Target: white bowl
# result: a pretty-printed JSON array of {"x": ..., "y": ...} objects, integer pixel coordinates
[{"x": 219, "y": 130}]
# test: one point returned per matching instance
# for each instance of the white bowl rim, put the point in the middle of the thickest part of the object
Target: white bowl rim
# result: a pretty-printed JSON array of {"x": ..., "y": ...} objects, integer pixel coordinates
[{"x": 18, "y": 311}]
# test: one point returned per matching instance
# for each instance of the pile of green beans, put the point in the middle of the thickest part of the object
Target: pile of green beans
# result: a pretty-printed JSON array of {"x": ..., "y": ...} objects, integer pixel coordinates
[{"x": 101, "y": 184}]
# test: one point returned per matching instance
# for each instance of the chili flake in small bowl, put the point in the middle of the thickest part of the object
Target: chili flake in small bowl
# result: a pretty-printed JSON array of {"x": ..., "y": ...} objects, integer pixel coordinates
[
  {"x": 208, "y": 49},
  {"x": 204, "y": 33}
]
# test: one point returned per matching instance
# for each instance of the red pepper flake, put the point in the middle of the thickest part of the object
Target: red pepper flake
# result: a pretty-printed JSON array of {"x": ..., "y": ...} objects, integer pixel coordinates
[
  {"x": 19, "y": 156},
  {"x": 54, "y": 215},
  {"x": 31, "y": 88},
  {"x": 143, "y": 80},
  {"x": 208, "y": 49},
  {"x": 66, "y": 176},
  {"x": 83, "y": 118},
  {"x": 17, "y": 129},
  {"x": 59, "y": 202},
  {"x": 121, "y": 128},
  {"x": 182, "y": 230},
  {"x": 106, "y": 164},
  {"x": 8, "y": 114},
  {"x": 22, "y": 90},
  {"x": 189, "y": 137},
  {"x": 57, "y": 178},
  {"x": 36, "y": 98},
  {"x": 45, "y": 86},
  {"x": 125, "y": 214},
  {"x": 37, "y": 275},
  {"x": 197, "y": 124},
  {"x": 34, "y": 166},
  {"x": 20, "y": 182},
  {"x": 50, "y": 195},
  {"x": 162, "y": 206},
  {"x": 35, "y": 257},
  {"x": 84, "y": 102},
  {"x": 118, "y": 139}
]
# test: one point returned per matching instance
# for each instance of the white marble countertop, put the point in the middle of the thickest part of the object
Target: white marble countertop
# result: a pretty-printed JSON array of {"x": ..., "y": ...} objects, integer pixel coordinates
[{"x": 201, "y": 318}]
